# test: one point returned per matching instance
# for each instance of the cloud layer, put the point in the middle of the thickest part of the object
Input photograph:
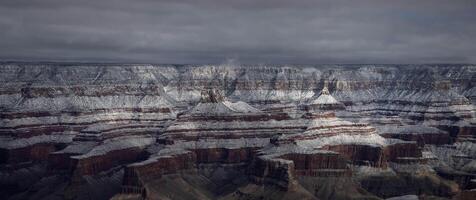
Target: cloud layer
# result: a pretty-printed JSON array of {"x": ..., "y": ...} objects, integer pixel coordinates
[{"x": 208, "y": 31}]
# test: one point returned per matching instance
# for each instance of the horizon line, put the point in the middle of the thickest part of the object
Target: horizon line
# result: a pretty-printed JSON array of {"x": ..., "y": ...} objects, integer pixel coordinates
[{"x": 222, "y": 63}]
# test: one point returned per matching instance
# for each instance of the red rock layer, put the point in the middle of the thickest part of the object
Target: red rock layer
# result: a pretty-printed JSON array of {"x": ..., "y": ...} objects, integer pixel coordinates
[
  {"x": 262, "y": 171},
  {"x": 459, "y": 132},
  {"x": 339, "y": 106},
  {"x": 35, "y": 130},
  {"x": 319, "y": 164},
  {"x": 421, "y": 139},
  {"x": 360, "y": 154},
  {"x": 223, "y": 155},
  {"x": 397, "y": 152},
  {"x": 37, "y": 152},
  {"x": 378, "y": 156},
  {"x": 277, "y": 172},
  {"x": 60, "y": 161},
  {"x": 467, "y": 195},
  {"x": 136, "y": 175},
  {"x": 95, "y": 164}
]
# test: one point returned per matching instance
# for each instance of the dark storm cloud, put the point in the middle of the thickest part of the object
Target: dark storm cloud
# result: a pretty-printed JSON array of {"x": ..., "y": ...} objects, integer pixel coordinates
[{"x": 280, "y": 31}]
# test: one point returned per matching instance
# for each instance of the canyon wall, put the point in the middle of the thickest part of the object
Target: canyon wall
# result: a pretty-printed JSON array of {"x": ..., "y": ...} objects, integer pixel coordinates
[{"x": 276, "y": 124}]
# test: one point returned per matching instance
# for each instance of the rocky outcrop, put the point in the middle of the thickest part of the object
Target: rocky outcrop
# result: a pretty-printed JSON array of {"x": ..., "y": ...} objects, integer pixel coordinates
[
  {"x": 176, "y": 161},
  {"x": 325, "y": 101},
  {"x": 361, "y": 154},
  {"x": 138, "y": 174},
  {"x": 215, "y": 131},
  {"x": 35, "y": 148},
  {"x": 277, "y": 172},
  {"x": 319, "y": 164},
  {"x": 224, "y": 155},
  {"x": 217, "y": 118},
  {"x": 36, "y": 152},
  {"x": 90, "y": 158},
  {"x": 330, "y": 145},
  {"x": 94, "y": 164}
]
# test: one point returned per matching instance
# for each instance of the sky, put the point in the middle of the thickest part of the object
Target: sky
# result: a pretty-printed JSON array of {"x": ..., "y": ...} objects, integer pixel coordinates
[{"x": 247, "y": 31}]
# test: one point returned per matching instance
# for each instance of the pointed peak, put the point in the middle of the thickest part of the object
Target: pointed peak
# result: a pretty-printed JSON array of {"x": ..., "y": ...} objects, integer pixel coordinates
[
  {"x": 325, "y": 97},
  {"x": 325, "y": 89},
  {"x": 211, "y": 96}
]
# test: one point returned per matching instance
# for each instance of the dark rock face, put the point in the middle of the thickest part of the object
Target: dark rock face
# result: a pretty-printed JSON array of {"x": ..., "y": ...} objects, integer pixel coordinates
[
  {"x": 96, "y": 164},
  {"x": 211, "y": 96},
  {"x": 37, "y": 152},
  {"x": 396, "y": 152},
  {"x": 422, "y": 139},
  {"x": 299, "y": 131},
  {"x": 137, "y": 175},
  {"x": 275, "y": 172},
  {"x": 407, "y": 184},
  {"x": 226, "y": 156},
  {"x": 319, "y": 164}
]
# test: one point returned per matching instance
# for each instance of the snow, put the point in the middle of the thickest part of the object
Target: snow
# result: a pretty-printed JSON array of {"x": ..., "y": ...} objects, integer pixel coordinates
[
  {"x": 78, "y": 147},
  {"x": 241, "y": 107},
  {"x": 310, "y": 146},
  {"x": 163, "y": 153},
  {"x": 104, "y": 127},
  {"x": 325, "y": 99},
  {"x": 408, "y": 129},
  {"x": 428, "y": 155},
  {"x": 329, "y": 122},
  {"x": 221, "y": 143},
  {"x": 414, "y": 168},
  {"x": 182, "y": 95},
  {"x": 451, "y": 156},
  {"x": 11, "y": 143},
  {"x": 368, "y": 171},
  {"x": 180, "y": 82},
  {"x": 223, "y": 108},
  {"x": 405, "y": 197},
  {"x": 78, "y": 103},
  {"x": 212, "y": 109},
  {"x": 211, "y": 125},
  {"x": 272, "y": 95},
  {"x": 470, "y": 167},
  {"x": 468, "y": 148},
  {"x": 183, "y": 147},
  {"x": 9, "y": 100},
  {"x": 370, "y": 140},
  {"x": 278, "y": 160},
  {"x": 118, "y": 143},
  {"x": 428, "y": 96},
  {"x": 331, "y": 126},
  {"x": 272, "y": 151},
  {"x": 86, "y": 118},
  {"x": 375, "y": 91}
]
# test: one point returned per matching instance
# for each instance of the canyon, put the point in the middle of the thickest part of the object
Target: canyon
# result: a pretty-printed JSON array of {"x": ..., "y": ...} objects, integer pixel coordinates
[{"x": 144, "y": 131}]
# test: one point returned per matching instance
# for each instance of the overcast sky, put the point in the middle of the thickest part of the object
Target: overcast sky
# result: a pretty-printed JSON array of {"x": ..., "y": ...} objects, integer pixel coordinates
[{"x": 248, "y": 31}]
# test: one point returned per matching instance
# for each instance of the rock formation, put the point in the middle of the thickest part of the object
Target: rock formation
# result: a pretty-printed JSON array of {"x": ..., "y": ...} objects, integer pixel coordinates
[{"x": 88, "y": 131}]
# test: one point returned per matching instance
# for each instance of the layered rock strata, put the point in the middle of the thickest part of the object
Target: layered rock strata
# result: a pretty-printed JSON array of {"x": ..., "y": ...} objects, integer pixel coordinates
[
  {"x": 214, "y": 131},
  {"x": 87, "y": 119}
]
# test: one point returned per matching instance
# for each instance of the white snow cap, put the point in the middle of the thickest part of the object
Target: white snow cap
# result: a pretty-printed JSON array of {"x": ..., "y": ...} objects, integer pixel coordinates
[
  {"x": 325, "y": 97},
  {"x": 213, "y": 102}
]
